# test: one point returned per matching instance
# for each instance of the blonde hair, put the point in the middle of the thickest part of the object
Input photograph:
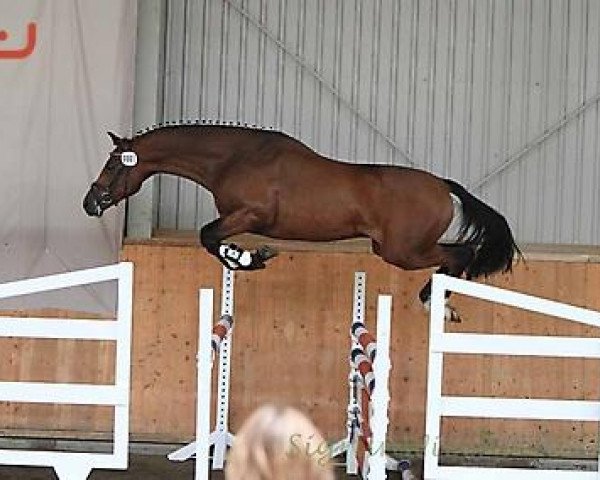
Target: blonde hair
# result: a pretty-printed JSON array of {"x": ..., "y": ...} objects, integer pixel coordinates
[{"x": 278, "y": 443}]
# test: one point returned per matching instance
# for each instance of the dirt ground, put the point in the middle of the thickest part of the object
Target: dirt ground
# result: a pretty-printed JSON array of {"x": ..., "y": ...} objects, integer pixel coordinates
[
  {"x": 146, "y": 467},
  {"x": 158, "y": 467}
]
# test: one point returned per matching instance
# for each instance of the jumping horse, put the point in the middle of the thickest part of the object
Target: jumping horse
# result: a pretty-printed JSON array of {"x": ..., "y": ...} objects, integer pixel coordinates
[{"x": 267, "y": 183}]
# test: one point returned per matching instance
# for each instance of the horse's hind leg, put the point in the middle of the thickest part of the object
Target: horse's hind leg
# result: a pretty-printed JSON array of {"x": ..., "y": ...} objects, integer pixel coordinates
[
  {"x": 231, "y": 255},
  {"x": 457, "y": 258},
  {"x": 425, "y": 293}
]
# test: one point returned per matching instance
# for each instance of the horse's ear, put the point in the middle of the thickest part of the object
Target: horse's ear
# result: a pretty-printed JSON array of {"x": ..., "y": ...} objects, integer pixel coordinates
[{"x": 117, "y": 141}]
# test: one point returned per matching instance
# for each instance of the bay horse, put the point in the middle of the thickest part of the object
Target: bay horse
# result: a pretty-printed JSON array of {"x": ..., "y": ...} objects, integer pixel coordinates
[{"x": 266, "y": 182}]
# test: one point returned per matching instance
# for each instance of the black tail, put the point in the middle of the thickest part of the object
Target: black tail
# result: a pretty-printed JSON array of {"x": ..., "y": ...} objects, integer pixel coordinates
[{"x": 490, "y": 231}]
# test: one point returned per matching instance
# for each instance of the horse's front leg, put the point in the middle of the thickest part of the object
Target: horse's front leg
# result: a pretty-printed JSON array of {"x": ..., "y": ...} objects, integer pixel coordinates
[{"x": 231, "y": 255}]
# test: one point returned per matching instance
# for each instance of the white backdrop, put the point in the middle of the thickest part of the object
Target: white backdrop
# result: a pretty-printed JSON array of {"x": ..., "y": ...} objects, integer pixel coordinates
[{"x": 71, "y": 85}]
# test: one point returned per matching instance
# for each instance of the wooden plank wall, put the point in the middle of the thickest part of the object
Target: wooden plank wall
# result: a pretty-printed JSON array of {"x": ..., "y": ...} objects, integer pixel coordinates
[{"x": 291, "y": 344}]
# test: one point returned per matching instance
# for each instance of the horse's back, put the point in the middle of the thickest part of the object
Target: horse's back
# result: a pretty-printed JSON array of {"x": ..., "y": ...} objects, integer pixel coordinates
[
  {"x": 317, "y": 198},
  {"x": 318, "y": 195}
]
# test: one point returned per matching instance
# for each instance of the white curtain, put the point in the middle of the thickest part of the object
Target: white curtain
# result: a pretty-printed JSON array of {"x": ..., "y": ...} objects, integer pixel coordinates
[{"x": 59, "y": 95}]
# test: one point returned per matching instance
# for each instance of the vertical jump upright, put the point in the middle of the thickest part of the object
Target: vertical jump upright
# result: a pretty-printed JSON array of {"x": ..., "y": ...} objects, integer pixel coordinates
[{"x": 220, "y": 437}]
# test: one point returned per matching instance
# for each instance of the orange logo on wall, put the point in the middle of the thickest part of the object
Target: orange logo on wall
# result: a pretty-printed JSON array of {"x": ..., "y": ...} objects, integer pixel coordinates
[{"x": 23, "y": 52}]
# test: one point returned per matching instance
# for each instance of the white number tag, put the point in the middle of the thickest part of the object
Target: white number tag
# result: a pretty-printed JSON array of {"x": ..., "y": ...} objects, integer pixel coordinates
[{"x": 129, "y": 159}]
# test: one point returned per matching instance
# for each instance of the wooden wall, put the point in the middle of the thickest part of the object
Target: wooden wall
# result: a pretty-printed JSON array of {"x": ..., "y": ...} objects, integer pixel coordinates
[{"x": 291, "y": 345}]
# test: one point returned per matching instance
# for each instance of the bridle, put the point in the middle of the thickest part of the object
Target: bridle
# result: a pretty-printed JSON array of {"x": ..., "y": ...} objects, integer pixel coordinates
[{"x": 103, "y": 195}]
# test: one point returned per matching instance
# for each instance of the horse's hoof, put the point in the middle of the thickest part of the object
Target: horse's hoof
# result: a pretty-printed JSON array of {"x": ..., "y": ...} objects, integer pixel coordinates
[
  {"x": 265, "y": 252},
  {"x": 451, "y": 315},
  {"x": 408, "y": 475}
]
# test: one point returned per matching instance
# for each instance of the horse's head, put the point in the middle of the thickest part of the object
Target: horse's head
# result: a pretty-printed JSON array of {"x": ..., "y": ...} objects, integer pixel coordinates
[{"x": 120, "y": 178}]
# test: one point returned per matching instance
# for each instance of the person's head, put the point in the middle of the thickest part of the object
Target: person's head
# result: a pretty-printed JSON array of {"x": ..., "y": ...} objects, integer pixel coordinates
[{"x": 278, "y": 443}]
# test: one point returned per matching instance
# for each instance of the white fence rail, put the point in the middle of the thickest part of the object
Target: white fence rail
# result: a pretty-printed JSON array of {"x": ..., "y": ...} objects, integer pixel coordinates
[
  {"x": 70, "y": 465},
  {"x": 439, "y": 405}
]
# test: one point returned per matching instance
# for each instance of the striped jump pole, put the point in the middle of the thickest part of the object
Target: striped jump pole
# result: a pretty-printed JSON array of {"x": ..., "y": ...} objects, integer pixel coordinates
[
  {"x": 373, "y": 370},
  {"x": 363, "y": 356},
  {"x": 365, "y": 340},
  {"x": 367, "y": 420},
  {"x": 220, "y": 332},
  {"x": 350, "y": 445}
]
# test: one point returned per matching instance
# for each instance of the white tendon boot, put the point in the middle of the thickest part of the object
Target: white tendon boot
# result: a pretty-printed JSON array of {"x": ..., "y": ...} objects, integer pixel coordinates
[{"x": 450, "y": 314}]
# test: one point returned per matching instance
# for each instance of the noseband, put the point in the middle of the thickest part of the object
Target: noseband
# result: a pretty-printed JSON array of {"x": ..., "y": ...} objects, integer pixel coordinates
[{"x": 103, "y": 195}]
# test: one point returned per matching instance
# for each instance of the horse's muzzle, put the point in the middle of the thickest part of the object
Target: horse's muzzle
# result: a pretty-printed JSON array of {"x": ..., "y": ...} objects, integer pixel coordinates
[{"x": 96, "y": 201}]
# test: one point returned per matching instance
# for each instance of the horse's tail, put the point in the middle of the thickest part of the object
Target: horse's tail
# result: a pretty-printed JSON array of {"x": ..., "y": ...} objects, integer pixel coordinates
[{"x": 489, "y": 230}]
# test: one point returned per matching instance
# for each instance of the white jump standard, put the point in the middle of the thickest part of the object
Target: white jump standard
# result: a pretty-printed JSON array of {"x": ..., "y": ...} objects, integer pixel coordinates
[{"x": 221, "y": 339}]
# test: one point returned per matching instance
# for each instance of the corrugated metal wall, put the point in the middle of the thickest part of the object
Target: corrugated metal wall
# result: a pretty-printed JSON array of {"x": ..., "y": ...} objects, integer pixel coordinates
[{"x": 499, "y": 94}]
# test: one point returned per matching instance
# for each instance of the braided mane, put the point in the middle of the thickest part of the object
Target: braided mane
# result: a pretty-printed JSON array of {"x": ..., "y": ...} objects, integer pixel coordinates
[{"x": 199, "y": 122}]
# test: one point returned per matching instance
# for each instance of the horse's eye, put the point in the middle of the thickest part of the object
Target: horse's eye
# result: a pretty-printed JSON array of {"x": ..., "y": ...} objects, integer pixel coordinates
[{"x": 110, "y": 167}]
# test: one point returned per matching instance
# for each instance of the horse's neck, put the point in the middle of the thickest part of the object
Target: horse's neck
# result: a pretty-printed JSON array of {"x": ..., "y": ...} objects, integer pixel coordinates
[
  {"x": 185, "y": 157},
  {"x": 199, "y": 168}
]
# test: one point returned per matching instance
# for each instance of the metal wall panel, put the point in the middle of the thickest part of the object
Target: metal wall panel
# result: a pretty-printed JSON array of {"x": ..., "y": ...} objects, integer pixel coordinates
[{"x": 501, "y": 95}]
